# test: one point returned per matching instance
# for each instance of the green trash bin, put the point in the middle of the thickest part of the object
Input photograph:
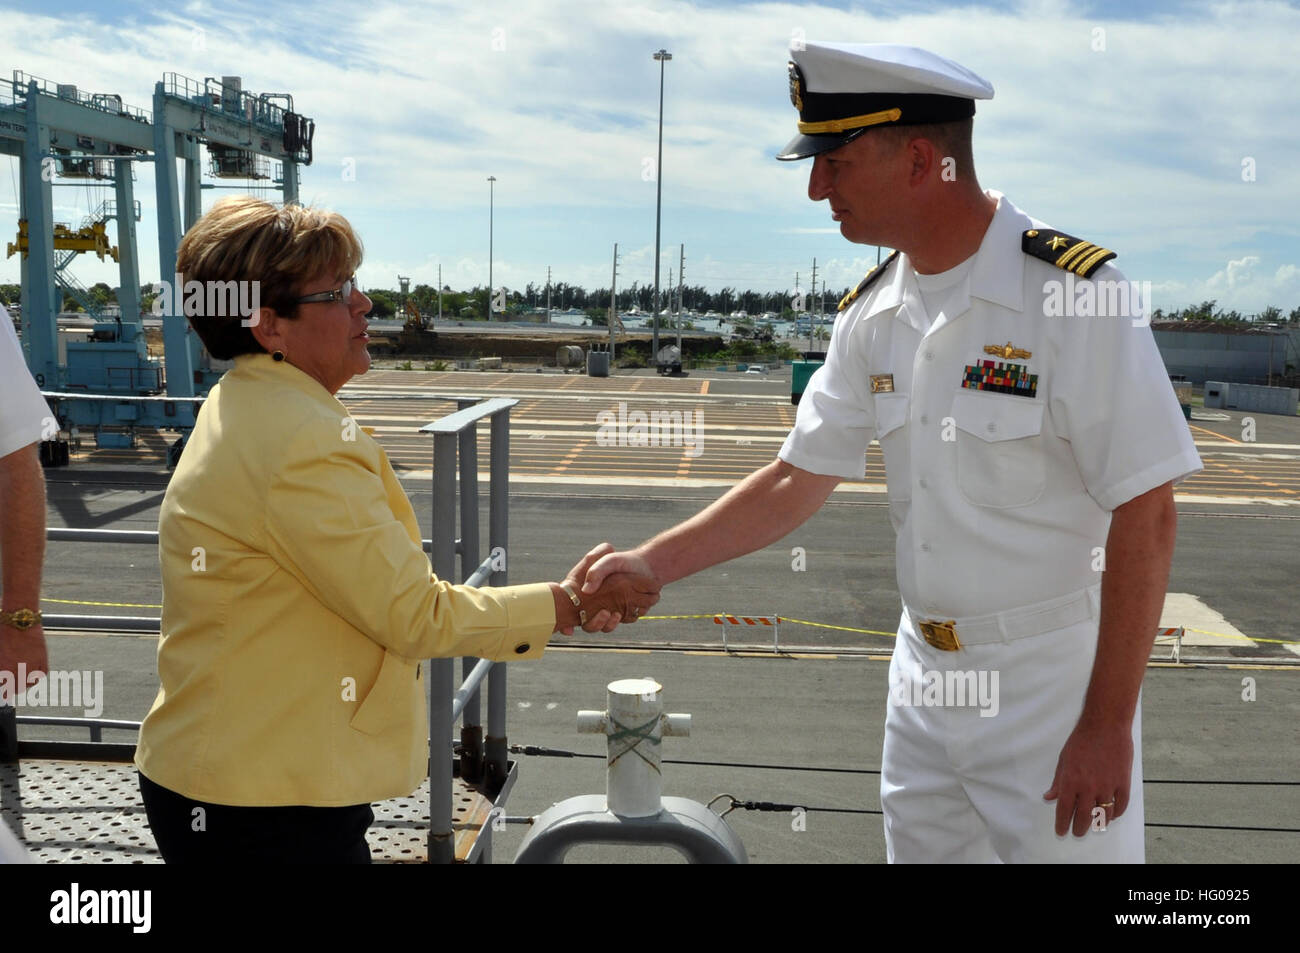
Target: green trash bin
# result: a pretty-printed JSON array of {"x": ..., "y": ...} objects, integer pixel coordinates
[{"x": 800, "y": 373}]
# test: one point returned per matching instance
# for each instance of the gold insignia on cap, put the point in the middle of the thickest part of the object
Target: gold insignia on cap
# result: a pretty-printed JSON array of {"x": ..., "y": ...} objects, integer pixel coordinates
[
  {"x": 1006, "y": 351},
  {"x": 796, "y": 86},
  {"x": 1057, "y": 242},
  {"x": 850, "y": 123},
  {"x": 1032, "y": 233},
  {"x": 882, "y": 383}
]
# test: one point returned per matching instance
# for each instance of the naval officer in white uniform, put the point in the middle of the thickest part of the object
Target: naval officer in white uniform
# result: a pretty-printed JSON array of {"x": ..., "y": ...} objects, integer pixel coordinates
[{"x": 1031, "y": 442}]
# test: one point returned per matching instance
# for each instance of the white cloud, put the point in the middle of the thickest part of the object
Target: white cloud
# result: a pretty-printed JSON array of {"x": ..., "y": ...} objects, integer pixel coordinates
[
  {"x": 1238, "y": 272},
  {"x": 1242, "y": 284},
  {"x": 1137, "y": 146}
]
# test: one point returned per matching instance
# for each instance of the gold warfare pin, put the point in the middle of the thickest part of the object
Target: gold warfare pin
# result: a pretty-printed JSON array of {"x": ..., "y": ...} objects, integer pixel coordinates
[{"x": 1006, "y": 351}]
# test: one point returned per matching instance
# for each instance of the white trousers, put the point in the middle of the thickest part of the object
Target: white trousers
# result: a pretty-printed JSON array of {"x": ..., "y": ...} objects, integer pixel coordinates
[
  {"x": 962, "y": 778},
  {"x": 11, "y": 849}
]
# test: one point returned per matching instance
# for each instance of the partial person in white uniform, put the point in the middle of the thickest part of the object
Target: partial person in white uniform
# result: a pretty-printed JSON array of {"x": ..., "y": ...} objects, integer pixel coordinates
[
  {"x": 1030, "y": 458},
  {"x": 23, "y": 418}
]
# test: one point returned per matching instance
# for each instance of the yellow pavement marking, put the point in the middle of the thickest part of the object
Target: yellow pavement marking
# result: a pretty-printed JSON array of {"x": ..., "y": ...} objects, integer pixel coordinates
[
  {"x": 573, "y": 455},
  {"x": 684, "y": 466},
  {"x": 1217, "y": 436}
]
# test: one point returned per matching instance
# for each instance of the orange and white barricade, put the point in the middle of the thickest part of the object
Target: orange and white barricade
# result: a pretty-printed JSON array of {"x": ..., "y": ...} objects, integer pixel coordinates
[{"x": 733, "y": 622}]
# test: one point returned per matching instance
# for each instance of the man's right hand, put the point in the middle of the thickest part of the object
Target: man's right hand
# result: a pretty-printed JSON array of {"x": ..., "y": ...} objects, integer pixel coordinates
[
  {"x": 617, "y": 597},
  {"x": 628, "y": 561},
  {"x": 25, "y": 647}
]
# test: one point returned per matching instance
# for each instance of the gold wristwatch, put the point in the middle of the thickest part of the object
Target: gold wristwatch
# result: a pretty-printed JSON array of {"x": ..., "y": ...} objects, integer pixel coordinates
[{"x": 21, "y": 619}]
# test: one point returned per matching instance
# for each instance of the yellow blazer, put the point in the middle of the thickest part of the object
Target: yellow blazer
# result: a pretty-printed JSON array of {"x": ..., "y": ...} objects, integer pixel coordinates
[{"x": 297, "y": 603}]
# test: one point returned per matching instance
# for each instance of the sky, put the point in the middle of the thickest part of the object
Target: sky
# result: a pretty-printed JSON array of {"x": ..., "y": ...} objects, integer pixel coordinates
[{"x": 1168, "y": 132}]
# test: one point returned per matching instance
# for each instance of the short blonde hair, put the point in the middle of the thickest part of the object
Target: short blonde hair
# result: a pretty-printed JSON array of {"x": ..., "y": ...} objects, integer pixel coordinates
[{"x": 247, "y": 239}]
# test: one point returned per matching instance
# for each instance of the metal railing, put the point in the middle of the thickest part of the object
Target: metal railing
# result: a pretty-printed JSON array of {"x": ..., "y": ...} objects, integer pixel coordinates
[
  {"x": 20, "y": 85},
  {"x": 239, "y": 104},
  {"x": 482, "y": 760}
]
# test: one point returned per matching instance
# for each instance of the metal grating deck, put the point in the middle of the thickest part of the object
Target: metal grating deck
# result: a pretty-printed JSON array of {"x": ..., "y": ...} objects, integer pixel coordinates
[{"x": 90, "y": 812}]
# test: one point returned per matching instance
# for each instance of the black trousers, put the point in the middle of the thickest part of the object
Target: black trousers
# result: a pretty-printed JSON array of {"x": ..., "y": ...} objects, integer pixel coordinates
[{"x": 195, "y": 832}]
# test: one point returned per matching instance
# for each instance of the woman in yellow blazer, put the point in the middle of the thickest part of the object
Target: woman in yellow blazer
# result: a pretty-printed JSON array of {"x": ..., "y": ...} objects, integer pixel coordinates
[{"x": 297, "y": 600}]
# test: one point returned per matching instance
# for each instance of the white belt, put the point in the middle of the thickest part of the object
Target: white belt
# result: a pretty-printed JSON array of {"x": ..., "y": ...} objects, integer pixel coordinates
[{"x": 949, "y": 635}]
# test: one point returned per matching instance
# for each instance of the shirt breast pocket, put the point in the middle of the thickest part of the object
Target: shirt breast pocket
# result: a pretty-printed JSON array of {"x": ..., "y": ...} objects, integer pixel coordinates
[
  {"x": 891, "y": 414},
  {"x": 1000, "y": 454}
]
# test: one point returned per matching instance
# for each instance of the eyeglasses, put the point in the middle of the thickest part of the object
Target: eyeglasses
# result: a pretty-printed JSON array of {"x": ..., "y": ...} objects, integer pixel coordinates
[{"x": 344, "y": 294}]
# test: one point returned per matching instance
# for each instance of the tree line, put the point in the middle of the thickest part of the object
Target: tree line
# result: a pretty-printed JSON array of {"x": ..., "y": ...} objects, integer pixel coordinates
[
  {"x": 1209, "y": 311},
  {"x": 564, "y": 296},
  {"x": 473, "y": 304}
]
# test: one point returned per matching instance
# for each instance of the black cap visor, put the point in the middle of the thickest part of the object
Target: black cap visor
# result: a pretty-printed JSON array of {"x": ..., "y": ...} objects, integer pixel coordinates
[{"x": 805, "y": 147}]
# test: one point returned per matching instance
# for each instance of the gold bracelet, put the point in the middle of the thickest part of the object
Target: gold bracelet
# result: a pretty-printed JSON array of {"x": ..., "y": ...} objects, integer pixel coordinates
[{"x": 573, "y": 597}]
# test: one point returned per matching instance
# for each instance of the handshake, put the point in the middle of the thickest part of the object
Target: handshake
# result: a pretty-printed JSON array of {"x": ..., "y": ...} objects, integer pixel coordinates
[{"x": 599, "y": 593}]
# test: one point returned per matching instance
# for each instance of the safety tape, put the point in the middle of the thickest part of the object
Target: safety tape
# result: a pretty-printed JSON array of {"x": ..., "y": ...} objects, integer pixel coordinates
[
  {"x": 848, "y": 628},
  {"x": 657, "y": 618},
  {"x": 1248, "y": 638},
  {"x": 841, "y": 628},
  {"x": 715, "y": 616},
  {"x": 718, "y": 615},
  {"x": 120, "y": 605}
]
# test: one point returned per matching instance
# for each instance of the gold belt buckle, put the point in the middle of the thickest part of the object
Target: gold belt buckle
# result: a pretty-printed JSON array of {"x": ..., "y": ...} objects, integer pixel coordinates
[{"x": 941, "y": 635}]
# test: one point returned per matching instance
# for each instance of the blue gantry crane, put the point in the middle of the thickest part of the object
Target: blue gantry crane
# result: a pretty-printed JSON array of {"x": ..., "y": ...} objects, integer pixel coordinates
[{"x": 63, "y": 135}]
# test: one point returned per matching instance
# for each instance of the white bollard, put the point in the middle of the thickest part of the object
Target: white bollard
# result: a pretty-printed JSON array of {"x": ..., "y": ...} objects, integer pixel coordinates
[{"x": 634, "y": 724}]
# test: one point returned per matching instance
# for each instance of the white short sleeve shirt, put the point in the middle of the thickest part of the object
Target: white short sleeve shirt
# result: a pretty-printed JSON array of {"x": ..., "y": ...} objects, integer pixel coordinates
[
  {"x": 999, "y": 498},
  {"x": 23, "y": 411}
]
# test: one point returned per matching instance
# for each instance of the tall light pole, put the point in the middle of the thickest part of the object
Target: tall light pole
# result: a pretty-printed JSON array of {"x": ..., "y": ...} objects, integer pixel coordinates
[
  {"x": 662, "y": 56},
  {"x": 491, "y": 211}
]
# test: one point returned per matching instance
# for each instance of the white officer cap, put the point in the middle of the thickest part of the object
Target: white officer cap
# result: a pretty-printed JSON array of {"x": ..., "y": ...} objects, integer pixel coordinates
[{"x": 843, "y": 89}]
